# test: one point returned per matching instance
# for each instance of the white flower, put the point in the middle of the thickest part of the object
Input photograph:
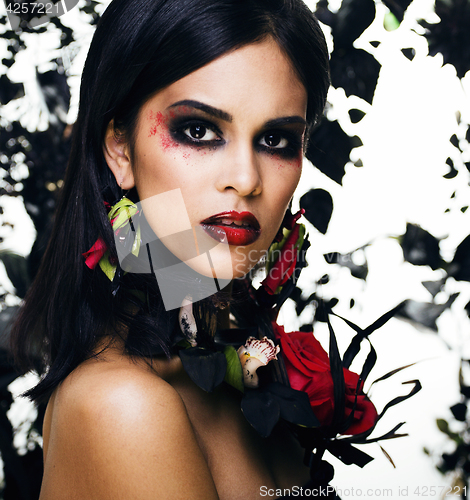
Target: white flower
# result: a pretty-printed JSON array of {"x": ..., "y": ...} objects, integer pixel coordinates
[
  {"x": 187, "y": 321},
  {"x": 253, "y": 354}
]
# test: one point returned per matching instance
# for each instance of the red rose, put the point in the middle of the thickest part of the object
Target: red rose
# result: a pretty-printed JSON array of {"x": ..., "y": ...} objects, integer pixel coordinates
[
  {"x": 308, "y": 369},
  {"x": 284, "y": 266}
]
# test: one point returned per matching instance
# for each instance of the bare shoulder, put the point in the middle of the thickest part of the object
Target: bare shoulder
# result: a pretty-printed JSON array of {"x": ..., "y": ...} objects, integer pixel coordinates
[{"x": 117, "y": 430}]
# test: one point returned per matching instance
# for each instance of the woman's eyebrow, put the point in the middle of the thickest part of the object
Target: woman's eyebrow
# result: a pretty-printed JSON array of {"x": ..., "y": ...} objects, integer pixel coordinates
[
  {"x": 206, "y": 108},
  {"x": 285, "y": 120},
  {"x": 223, "y": 115}
]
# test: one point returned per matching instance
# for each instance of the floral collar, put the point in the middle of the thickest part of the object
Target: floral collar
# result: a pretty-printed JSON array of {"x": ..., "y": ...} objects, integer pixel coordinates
[
  {"x": 279, "y": 375},
  {"x": 322, "y": 401}
]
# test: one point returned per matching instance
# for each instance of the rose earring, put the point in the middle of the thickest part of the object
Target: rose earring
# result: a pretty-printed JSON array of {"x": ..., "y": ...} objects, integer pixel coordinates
[{"x": 120, "y": 216}]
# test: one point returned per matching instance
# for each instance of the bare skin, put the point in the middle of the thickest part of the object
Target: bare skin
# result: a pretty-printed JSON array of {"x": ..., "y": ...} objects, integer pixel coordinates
[{"x": 116, "y": 429}]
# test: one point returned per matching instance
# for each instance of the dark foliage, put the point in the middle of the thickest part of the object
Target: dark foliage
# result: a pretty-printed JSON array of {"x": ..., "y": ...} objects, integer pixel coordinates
[
  {"x": 329, "y": 149},
  {"x": 451, "y": 36},
  {"x": 356, "y": 71},
  {"x": 458, "y": 461},
  {"x": 398, "y": 7},
  {"x": 459, "y": 268}
]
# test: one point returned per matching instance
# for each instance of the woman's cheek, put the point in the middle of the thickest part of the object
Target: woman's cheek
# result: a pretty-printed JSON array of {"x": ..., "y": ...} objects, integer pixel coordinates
[{"x": 167, "y": 142}]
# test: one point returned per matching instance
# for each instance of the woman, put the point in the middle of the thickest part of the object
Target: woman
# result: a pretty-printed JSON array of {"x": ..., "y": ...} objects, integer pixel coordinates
[{"x": 212, "y": 100}]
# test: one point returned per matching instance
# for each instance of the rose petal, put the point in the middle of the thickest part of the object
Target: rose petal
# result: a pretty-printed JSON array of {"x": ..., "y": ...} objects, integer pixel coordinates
[{"x": 93, "y": 256}]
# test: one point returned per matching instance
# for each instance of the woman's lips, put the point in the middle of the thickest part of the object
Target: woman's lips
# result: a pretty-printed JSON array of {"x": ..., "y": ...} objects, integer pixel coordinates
[{"x": 237, "y": 229}]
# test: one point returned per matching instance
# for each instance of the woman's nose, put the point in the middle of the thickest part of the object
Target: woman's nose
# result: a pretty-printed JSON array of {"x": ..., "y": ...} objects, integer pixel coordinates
[{"x": 241, "y": 171}]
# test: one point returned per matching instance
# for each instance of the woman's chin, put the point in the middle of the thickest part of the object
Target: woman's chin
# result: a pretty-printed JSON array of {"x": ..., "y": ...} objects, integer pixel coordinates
[{"x": 220, "y": 268}]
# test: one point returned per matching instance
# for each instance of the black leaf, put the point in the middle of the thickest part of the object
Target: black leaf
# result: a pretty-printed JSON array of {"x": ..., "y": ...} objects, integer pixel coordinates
[
  {"x": 425, "y": 313},
  {"x": 324, "y": 14},
  {"x": 361, "y": 334},
  {"x": 459, "y": 411},
  {"x": 434, "y": 287},
  {"x": 449, "y": 461},
  {"x": 337, "y": 375},
  {"x": 353, "y": 17},
  {"x": 318, "y": 206},
  {"x": 467, "y": 308},
  {"x": 324, "y": 306},
  {"x": 465, "y": 390},
  {"x": 356, "y": 71},
  {"x": 17, "y": 271},
  {"x": 359, "y": 271},
  {"x": 9, "y": 90},
  {"x": 459, "y": 268},
  {"x": 294, "y": 405},
  {"x": 452, "y": 172},
  {"x": 420, "y": 247},
  {"x": 262, "y": 411},
  {"x": 356, "y": 115},
  {"x": 205, "y": 368},
  {"x": 329, "y": 148},
  {"x": 409, "y": 53},
  {"x": 455, "y": 141},
  {"x": 348, "y": 454},
  {"x": 321, "y": 474}
]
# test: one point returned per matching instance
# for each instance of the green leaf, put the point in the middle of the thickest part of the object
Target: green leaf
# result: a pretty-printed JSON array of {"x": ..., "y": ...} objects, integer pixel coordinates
[
  {"x": 136, "y": 244},
  {"x": 234, "y": 373},
  {"x": 443, "y": 426},
  {"x": 106, "y": 266},
  {"x": 391, "y": 23},
  {"x": 276, "y": 248},
  {"x": 122, "y": 212}
]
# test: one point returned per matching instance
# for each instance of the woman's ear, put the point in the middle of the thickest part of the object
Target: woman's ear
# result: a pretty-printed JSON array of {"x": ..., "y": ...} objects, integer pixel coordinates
[{"x": 117, "y": 155}]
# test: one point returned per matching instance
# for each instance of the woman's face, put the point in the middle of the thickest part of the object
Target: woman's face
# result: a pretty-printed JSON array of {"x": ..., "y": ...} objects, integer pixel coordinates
[{"x": 228, "y": 137}]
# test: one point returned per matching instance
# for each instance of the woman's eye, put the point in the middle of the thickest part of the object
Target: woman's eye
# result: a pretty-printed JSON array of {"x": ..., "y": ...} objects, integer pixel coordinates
[
  {"x": 274, "y": 140},
  {"x": 200, "y": 133}
]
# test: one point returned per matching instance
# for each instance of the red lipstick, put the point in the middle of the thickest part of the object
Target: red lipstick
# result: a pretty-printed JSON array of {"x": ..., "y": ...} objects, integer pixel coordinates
[{"x": 237, "y": 229}]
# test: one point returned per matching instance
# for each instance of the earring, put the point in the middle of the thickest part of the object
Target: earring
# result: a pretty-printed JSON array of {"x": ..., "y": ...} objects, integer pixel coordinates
[{"x": 120, "y": 216}]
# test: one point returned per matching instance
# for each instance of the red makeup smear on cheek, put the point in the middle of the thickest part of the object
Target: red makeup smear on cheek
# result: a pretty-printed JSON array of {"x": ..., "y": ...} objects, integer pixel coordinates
[
  {"x": 297, "y": 161},
  {"x": 167, "y": 141},
  {"x": 156, "y": 120}
]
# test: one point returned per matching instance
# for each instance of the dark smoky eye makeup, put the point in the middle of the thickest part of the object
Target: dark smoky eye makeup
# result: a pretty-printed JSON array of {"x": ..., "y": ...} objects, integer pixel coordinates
[
  {"x": 281, "y": 142},
  {"x": 195, "y": 131}
]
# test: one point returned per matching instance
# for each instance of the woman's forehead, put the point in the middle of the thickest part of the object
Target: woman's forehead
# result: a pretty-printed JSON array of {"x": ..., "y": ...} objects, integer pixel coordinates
[{"x": 257, "y": 77}]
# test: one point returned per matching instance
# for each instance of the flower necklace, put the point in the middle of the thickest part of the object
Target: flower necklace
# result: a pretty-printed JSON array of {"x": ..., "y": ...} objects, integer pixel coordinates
[{"x": 313, "y": 391}]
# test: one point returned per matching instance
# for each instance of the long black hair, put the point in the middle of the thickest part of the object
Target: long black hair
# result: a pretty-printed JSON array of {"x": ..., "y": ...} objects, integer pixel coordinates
[{"x": 139, "y": 48}]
